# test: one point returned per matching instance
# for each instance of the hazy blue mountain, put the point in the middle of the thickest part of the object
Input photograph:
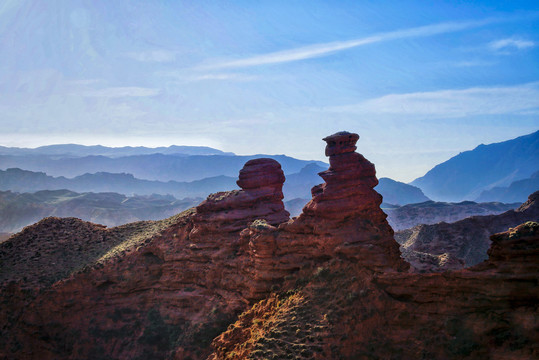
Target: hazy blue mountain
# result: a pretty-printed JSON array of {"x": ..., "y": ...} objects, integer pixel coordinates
[
  {"x": 21, "y": 209},
  {"x": 399, "y": 193},
  {"x": 75, "y": 150},
  {"x": 518, "y": 191},
  {"x": 28, "y": 181},
  {"x": 299, "y": 185},
  {"x": 149, "y": 167},
  {"x": 466, "y": 175}
]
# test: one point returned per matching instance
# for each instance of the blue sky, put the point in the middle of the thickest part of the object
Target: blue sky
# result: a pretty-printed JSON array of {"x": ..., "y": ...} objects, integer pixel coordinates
[{"x": 420, "y": 81}]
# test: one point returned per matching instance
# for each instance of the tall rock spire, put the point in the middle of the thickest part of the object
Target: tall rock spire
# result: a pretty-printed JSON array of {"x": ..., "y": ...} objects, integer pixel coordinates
[{"x": 345, "y": 211}]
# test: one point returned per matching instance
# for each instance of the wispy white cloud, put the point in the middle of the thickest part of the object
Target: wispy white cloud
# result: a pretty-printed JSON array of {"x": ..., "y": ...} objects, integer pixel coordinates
[
  {"x": 117, "y": 92},
  {"x": 324, "y": 49},
  {"x": 195, "y": 76},
  {"x": 153, "y": 56},
  {"x": 472, "y": 63},
  {"x": 451, "y": 103},
  {"x": 84, "y": 82},
  {"x": 222, "y": 76},
  {"x": 511, "y": 44}
]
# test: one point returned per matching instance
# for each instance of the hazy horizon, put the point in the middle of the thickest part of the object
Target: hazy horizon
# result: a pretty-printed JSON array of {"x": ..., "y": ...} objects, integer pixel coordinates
[{"x": 420, "y": 82}]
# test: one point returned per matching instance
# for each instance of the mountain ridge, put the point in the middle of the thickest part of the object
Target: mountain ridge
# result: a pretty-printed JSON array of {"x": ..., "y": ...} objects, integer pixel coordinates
[
  {"x": 77, "y": 150},
  {"x": 147, "y": 167},
  {"x": 464, "y": 176}
]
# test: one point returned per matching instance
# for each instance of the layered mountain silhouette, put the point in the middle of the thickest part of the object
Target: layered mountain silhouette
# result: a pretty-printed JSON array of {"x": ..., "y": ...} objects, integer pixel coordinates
[
  {"x": 149, "y": 167},
  {"x": 29, "y": 181},
  {"x": 516, "y": 192},
  {"x": 75, "y": 150},
  {"x": 399, "y": 193},
  {"x": 466, "y": 175}
]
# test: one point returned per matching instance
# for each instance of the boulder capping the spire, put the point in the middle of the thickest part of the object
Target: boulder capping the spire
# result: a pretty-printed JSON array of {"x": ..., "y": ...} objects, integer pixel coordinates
[{"x": 340, "y": 143}]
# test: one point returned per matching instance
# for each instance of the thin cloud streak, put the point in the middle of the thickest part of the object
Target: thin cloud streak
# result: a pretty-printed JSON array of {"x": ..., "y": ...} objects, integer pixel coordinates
[
  {"x": 451, "y": 103},
  {"x": 319, "y": 50},
  {"x": 159, "y": 56},
  {"x": 117, "y": 92},
  {"x": 512, "y": 43}
]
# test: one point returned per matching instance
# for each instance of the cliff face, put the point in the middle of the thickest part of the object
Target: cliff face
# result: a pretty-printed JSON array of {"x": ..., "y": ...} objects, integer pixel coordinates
[{"x": 322, "y": 284}]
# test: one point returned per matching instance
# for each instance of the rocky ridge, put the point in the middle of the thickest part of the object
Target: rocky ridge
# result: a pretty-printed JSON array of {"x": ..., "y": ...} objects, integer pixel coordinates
[
  {"x": 431, "y": 212},
  {"x": 452, "y": 246},
  {"x": 326, "y": 281}
]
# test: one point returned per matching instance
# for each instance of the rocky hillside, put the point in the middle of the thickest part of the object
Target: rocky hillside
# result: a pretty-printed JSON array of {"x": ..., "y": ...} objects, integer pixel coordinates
[
  {"x": 445, "y": 246},
  {"x": 432, "y": 212},
  {"x": 111, "y": 209},
  {"x": 341, "y": 312},
  {"x": 235, "y": 278}
]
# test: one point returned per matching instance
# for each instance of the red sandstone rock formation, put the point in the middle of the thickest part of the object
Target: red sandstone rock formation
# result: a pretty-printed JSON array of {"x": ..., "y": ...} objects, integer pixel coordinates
[
  {"x": 344, "y": 216},
  {"x": 486, "y": 312},
  {"x": 170, "y": 287},
  {"x": 165, "y": 293}
]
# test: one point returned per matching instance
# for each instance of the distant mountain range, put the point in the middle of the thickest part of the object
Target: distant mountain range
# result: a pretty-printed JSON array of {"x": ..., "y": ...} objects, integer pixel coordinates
[
  {"x": 518, "y": 191},
  {"x": 29, "y": 181},
  {"x": 467, "y": 175},
  {"x": 148, "y": 167},
  {"x": 74, "y": 150},
  {"x": 399, "y": 193}
]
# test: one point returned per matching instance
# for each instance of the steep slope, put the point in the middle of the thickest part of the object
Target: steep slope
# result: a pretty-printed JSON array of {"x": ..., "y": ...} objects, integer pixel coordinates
[
  {"x": 462, "y": 243},
  {"x": 399, "y": 193},
  {"x": 516, "y": 192},
  {"x": 432, "y": 212},
  {"x": 466, "y": 175},
  {"x": 111, "y": 209}
]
